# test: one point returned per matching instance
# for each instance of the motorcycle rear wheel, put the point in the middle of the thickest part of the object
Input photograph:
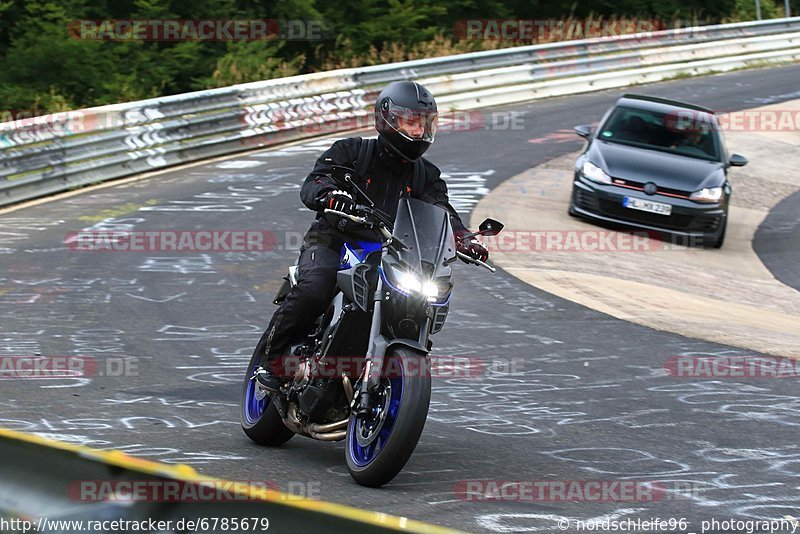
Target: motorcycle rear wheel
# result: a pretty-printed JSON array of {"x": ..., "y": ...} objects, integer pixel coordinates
[{"x": 259, "y": 417}]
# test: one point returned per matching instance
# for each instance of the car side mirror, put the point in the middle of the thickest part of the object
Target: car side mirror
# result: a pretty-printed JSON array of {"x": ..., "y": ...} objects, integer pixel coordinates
[
  {"x": 737, "y": 160},
  {"x": 584, "y": 130},
  {"x": 490, "y": 227}
]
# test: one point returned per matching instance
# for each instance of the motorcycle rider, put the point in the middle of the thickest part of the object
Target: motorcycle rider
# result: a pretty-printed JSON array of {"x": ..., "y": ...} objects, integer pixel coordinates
[{"x": 405, "y": 118}]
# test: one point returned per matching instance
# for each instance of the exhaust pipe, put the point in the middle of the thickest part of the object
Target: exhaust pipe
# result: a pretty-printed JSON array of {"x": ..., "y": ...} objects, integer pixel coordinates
[
  {"x": 329, "y": 427},
  {"x": 324, "y": 432},
  {"x": 348, "y": 389},
  {"x": 331, "y": 436}
]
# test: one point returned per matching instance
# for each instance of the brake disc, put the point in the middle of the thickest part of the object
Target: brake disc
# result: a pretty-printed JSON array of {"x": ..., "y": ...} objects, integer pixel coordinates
[{"x": 374, "y": 429}]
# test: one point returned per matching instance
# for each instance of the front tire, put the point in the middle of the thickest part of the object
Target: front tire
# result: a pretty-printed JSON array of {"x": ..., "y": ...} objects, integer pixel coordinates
[
  {"x": 386, "y": 444},
  {"x": 260, "y": 419}
]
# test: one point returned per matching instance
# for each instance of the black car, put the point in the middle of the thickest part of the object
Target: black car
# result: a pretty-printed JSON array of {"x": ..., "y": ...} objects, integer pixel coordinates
[{"x": 657, "y": 165}]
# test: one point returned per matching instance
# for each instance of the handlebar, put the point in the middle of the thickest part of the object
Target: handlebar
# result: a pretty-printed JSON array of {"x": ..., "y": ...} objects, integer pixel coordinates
[
  {"x": 362, "y": 220},
  {"x": 470, "y": 259},
  {"x": 388, "y": 235}
]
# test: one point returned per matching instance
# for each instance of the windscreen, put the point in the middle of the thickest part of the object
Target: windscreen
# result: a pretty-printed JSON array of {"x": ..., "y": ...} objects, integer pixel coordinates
[
  {"x": 425, "y": 230},
  {"x": 666, "y": 132}
]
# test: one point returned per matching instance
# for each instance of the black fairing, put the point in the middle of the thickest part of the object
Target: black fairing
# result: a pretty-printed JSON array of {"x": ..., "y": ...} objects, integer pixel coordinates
[
  {"x": 425, "y": 229},
  {"x": 429, "y": 250}
]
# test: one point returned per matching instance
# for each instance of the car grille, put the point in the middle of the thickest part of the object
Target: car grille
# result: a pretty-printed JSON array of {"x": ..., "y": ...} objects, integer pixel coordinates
[
  {"x": 586, "y": 201},
  {"x": 690, "y": 223},
  {"x": 708, "y": 224},
  {"x": 662, "y": 190}
]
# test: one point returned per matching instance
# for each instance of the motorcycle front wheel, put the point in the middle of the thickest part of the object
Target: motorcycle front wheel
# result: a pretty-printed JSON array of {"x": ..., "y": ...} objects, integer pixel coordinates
[{"x": 379, "y": 445}]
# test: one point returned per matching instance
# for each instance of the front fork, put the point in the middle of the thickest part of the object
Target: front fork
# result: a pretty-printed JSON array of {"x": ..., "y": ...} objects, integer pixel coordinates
[{"x": 375, "y": 355}]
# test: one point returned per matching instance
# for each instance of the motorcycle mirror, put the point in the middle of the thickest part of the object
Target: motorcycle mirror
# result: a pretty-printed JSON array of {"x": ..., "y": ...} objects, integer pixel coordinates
[
  {"x": 490, "y": 227},
  {"x": 343, "y": 176}
]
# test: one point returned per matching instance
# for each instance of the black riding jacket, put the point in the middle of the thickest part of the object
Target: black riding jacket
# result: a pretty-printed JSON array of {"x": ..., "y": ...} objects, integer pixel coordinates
[{"x": 388, "y": 177}]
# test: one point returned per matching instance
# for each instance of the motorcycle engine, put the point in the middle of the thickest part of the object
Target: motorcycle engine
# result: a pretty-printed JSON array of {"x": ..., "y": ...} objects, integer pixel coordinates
[{"x": 318, "y": 397}]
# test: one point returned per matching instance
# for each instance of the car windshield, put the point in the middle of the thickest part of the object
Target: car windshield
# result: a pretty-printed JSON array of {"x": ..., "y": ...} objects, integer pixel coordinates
[{"x": 666, "y": 132}]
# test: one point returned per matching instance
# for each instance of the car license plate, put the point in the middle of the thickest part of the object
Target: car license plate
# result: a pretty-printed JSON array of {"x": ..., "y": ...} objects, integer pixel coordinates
[{"x": 647, "y": 205}]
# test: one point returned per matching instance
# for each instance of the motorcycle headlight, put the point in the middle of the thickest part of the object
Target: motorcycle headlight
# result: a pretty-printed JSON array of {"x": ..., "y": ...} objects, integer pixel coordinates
[
  {"x": 595, "y": 173},
  {"x": 409, "y": 283},
  {"x": 711, "y": 194},
  {"x": 431, "y": 291}
]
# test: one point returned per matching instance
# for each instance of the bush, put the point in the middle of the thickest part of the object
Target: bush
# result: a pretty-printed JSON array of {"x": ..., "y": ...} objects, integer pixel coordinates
[{"x": 43, "y": 68}]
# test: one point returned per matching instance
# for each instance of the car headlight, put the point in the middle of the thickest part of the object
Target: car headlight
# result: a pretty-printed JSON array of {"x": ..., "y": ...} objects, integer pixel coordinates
[
  {"x": 409, "y": 283},
  {"x": 595, "y": 173},
  {"x": 711, "y": 194}
]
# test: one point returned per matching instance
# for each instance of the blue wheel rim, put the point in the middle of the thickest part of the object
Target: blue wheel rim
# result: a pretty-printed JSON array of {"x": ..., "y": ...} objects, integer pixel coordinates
[
  {"x": 362, "y": 456},
  {"x": 253, "y": 408}
]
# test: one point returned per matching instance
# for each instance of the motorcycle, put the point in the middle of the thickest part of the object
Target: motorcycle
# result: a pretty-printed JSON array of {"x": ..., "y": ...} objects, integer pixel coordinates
[{"x": 391, "y": 297}]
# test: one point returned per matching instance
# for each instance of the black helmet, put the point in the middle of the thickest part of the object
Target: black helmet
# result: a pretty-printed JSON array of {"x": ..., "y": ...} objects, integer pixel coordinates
[{"x": 406, "y": 118}]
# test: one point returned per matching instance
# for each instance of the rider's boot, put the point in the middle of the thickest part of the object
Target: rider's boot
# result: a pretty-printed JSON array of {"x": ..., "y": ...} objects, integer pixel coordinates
[{"x": 271, "y": 375}]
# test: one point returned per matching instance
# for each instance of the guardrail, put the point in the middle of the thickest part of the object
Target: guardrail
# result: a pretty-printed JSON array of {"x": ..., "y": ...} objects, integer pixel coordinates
[
  {"x": 62, "y": 151},
  {"x": 50, "y": 486}
]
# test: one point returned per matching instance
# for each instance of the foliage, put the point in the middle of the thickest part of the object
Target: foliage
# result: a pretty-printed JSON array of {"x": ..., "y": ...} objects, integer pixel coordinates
[{"x": 46, "y": 66}]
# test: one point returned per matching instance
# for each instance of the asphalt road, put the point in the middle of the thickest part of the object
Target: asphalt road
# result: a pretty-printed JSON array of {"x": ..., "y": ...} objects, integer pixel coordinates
[
  {"x": 569, "y": 394},
  {"x": 777, "y": 242}
]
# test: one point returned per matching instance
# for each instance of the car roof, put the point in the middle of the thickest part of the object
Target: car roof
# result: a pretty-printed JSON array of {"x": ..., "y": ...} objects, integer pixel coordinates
[{"x": 654, "y": 103}]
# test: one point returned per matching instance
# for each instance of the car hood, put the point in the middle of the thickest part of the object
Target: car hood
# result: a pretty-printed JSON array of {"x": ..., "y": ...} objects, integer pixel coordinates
[{"x": 665, "y": 170}]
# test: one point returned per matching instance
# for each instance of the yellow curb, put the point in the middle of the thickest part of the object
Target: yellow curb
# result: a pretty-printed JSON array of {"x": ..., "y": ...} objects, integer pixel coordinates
[{"x": 188, "y": 474}]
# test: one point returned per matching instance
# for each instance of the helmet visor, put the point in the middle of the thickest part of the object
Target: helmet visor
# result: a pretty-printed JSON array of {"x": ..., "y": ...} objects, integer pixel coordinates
[{"x": 414, "y": 125}]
